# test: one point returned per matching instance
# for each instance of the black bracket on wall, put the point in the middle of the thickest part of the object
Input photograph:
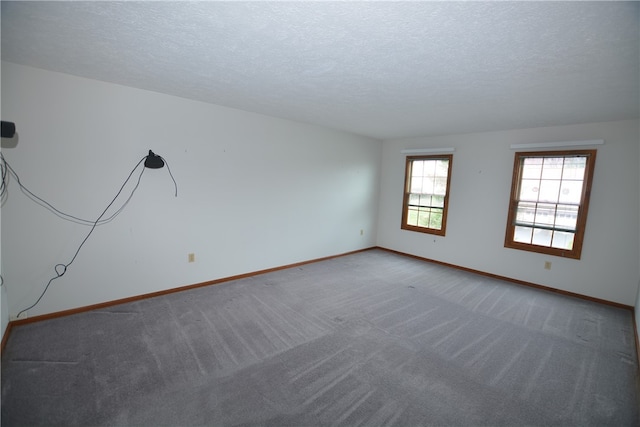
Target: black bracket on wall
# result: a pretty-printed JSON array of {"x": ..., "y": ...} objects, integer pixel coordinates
[{"x": 8, "y": 129}]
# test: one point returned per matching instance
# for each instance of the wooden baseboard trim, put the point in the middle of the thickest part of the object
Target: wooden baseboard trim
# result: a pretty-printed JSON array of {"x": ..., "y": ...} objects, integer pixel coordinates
[
  {"x": 166, "y": 292},
  {"x": 635, "y": 334},
  {"x": 83, "y": 309},
  {"x": 5, "y": 336},
  {"x": 537, "y": 286},
  {"x": 516, "y": 281}
]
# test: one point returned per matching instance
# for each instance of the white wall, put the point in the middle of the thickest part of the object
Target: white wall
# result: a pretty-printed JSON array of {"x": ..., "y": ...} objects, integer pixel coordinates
[
  {"x": 637, "y": 304},
  {"x": 4, "y": 303},
  {"x": 480, "y": 186},
  {"x": 257, "y": 192},
  {"x": 254, "y": 192}
]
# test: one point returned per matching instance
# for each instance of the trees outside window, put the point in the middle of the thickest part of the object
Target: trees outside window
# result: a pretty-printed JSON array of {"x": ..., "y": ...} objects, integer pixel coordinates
[{"x": 426, "y": 193}]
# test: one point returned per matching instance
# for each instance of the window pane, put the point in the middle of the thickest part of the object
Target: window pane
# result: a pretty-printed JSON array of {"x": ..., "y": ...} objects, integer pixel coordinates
[
  {"x": 437, "y": 201},
  {"x": 429, "y": 168},
  {"x": 562, "y": 240},
  {"x": 412, "y": 216},
  {"x": 425, "y": 200},
  {"x": 545, "y": 214},
  {"x": 423, "y": 218},
  {"x": 541, "y": 237},
  {"x": 532, "y": 168},
  {"x": 574, "y": 168},
  {"x": 427, "y": 185},
  {"x": 442, "y": 168},
  {"x": 567, "y": 217},
  {"x": 440, "y": 186},
  {"x": 552, "y": 167},
  {"x": 570, "y": 192},
  {"x": 417, "y": 168},
  {"x": 522, "y": 234},
  {"x": 526, "y": 212},
  {"x": 549, "y": 191},
  {"x": 416, "y": 186},
  {"x": 529, "y": 189},
  {"x": 435, "y": 219}
]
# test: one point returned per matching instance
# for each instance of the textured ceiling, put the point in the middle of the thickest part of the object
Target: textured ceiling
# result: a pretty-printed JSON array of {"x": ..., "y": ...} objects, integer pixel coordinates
[{"x": 380, "y": 69}]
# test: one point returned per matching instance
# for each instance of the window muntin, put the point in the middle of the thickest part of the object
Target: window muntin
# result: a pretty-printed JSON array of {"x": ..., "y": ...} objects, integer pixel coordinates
[
  {"x": 549, "y": 201},
  {"x": 426, "y": 193}
]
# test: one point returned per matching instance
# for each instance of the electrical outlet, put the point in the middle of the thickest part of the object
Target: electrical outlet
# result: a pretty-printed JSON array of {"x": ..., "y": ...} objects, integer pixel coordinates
[
  {"x": 547, "y": 265},
  {"x": 192, "y": 257}
]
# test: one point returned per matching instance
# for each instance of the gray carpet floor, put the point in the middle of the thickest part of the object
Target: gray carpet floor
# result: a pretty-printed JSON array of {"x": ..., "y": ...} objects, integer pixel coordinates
[{"x": 372, "y": 338}]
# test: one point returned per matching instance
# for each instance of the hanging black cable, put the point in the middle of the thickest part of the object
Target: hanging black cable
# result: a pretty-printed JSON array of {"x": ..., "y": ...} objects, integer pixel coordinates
[
  {"x": 7, "y": 169},
  {"x": 61, "y": 269},
  {"x": 170, "y": 174},
  {"x": 3, "y": 172}
]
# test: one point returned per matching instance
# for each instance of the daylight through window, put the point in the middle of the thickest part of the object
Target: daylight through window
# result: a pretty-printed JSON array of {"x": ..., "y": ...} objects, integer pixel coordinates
[
  {"x": 426, "y": 193},
  {"x": 549, "y": 201}
]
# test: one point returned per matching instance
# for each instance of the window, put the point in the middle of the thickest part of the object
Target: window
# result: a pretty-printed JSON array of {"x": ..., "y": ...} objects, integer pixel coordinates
[
  {"x": 426, "y": 193},
  {"x": 549, "y": 201}
]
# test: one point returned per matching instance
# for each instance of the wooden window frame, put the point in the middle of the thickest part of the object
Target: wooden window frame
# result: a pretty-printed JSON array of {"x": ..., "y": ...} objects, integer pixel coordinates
[
  {"x": 407, "y": 189},
  {"x": 583, "y": 207}
]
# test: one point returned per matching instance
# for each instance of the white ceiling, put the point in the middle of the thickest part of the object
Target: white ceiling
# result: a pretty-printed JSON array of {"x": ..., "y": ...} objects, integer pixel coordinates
[{"x": 380, "y": 69}]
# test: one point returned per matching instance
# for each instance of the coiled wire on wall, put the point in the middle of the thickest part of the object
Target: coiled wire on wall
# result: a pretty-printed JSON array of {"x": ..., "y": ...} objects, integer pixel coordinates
[{"x": 60, "y": 269}]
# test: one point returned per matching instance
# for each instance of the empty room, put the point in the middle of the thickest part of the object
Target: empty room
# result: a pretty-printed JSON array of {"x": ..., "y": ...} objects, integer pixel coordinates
[{"x": 320, "y": 213}]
